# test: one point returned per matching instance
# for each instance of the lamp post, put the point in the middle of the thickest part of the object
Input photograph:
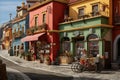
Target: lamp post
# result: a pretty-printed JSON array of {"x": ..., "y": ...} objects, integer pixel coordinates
[{"x": 10, "y": 16}]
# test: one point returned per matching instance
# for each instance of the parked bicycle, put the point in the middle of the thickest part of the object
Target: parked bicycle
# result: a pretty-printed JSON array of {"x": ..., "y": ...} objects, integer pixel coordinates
[{"x": 87, "y": 64}]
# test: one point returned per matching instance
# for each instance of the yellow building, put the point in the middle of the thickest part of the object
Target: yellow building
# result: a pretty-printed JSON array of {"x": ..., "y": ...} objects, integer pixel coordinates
[
  {"x": 7, "y": 36},
  {"x": 88, "y": 8},
  {"x": 87, "y": 27}
]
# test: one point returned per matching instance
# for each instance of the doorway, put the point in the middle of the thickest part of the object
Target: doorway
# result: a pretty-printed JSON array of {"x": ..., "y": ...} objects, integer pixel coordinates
[{"x": 118, "y": 51}]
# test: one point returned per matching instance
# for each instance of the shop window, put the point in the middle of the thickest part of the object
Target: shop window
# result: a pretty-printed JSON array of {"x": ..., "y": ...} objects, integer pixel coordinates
[
  {"x": 79, "y": 46},
  {"x": 65, "y": 44},
  {"x": 93, "y": 47}
]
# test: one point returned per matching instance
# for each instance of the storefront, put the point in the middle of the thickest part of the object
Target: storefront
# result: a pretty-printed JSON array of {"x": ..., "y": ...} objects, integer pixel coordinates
[
  {"x": 41, "y": 46},
  {"x": 94, "y": 38}
]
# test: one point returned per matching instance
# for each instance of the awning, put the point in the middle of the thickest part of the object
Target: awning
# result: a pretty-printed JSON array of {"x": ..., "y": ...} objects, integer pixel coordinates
[{"x": 32, "y": 37}]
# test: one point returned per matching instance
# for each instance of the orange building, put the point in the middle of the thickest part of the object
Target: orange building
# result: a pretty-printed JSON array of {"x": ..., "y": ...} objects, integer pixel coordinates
[{"x": 7, "y": 35}]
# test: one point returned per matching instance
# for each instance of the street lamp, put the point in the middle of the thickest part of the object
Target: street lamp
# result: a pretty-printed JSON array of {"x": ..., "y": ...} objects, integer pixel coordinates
[{"x": 10, "y": 16}]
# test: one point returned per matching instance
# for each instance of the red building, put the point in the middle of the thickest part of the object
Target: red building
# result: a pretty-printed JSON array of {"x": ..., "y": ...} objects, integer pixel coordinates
[
  {"x": 116, "y": 30},
  {"x": 43, "y": 35}
]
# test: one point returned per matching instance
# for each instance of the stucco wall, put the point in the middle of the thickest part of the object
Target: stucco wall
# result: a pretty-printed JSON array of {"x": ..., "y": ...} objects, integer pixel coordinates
[{"x": 88, "y": 7}]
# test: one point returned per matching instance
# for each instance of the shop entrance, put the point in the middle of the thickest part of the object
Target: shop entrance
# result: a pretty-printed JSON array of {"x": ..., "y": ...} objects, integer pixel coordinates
[
  {"x": 78, "y": 45},
  {"x": 118, "y": 53},
  {"x": 116, "y": 49}
]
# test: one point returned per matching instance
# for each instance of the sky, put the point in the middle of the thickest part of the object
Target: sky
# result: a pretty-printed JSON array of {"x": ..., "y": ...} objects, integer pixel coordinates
[{"x": 7, "y": 7}]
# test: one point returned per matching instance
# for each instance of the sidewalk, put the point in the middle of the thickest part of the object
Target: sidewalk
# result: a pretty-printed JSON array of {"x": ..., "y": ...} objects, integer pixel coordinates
[{"x": 63, "y": 69}]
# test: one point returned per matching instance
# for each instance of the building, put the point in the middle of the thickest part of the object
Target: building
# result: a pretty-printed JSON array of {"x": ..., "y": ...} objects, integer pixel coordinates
[
  {"x": 116, "y": 30},
  {"x": 43, "y": 33},
  {"x": 6, "y": 35},
  {"x": 87, "y": 27},
  {"x": 19, "y": 26},
  {"x": 7, "y": 32},
  {"x": 31, "y": 2}
]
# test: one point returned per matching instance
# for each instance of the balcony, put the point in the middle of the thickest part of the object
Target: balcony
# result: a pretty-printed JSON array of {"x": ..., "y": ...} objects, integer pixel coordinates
[
  {"x": 36, "y": 29},
  {"x": 18, "y": 34},
  {"x": 93, "y": 14}
]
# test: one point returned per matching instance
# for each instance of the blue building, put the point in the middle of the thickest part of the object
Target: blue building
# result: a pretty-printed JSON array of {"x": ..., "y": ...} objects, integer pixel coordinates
[{"x": 19, "y": 27}]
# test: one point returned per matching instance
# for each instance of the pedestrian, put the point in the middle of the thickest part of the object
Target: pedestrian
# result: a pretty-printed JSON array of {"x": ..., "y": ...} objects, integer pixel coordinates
[
  {"x": 97, "y": 62},
  {"x": 83, "y": 56},
  {"x": 11, "y": 51}
]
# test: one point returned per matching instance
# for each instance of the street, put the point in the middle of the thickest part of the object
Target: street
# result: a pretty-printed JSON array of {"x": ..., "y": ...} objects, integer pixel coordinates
[{"x": 35, "y": 74}]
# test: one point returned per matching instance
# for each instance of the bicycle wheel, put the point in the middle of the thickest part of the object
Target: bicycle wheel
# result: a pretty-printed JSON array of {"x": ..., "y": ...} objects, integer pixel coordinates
[
  {"x": 80, "y": 68},
  {"x": 73, "y": 66},
  {"x": 76, "y": 67}
]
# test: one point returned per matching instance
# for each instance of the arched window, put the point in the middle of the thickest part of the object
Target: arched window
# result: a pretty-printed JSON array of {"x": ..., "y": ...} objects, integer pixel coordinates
[
  {"x": 65, "y": 44},
  {"x": 93, "y": 48}
]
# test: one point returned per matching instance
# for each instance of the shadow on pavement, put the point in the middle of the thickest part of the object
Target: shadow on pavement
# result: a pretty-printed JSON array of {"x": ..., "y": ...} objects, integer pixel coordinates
[
  {"x": 87, "y": 78},
  {"x": 35, "y": 76}
]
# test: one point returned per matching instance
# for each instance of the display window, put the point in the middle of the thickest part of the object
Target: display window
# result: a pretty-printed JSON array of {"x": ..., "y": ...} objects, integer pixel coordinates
[{"x": 93, "y": 47}]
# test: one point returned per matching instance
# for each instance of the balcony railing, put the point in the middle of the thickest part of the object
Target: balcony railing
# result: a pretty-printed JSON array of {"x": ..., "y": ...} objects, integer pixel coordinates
[
  {"x": 18, "y": 34},
  {"x": 36, "y": 29},
  {"x": 93, "y": 14}
]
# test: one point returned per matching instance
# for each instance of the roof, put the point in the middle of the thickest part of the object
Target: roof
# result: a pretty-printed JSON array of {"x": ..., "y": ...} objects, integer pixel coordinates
[
  {"x": 38, "y": 4},
  {"x": 22, "y": 7},
  {"x": 19, "y": 18},
  {"x": 32, "y": 0}
]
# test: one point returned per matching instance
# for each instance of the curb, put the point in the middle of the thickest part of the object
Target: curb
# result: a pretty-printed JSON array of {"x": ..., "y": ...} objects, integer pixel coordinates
[{"x": 36, "y": 68}]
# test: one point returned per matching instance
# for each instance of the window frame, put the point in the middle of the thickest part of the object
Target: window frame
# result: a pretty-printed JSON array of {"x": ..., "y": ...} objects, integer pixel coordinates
[
  {"x": 36, "y": 20},
  {"x": 95, "y": 12},
  {"x": 44, "y": 18},
  {"x": 81, "y": 8}
]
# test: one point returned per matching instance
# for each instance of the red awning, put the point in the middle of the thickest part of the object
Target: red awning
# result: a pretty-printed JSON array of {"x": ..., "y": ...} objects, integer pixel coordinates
[{"x": 31, "y": 37}]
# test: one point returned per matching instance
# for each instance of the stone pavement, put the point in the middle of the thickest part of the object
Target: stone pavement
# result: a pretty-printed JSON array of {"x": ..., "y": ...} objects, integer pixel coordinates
[
  {"x": 63, "y": 69},
  {"x": 16, "y": 75}
]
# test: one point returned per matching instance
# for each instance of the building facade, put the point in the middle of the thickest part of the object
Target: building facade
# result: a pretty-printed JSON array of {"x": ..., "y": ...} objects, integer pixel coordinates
[
  {"x": 116, "y": 30},
  {"x": 19, "y": 26},
  {"x": 43, "y": 35},
  {"x": 87, "y": 27}
]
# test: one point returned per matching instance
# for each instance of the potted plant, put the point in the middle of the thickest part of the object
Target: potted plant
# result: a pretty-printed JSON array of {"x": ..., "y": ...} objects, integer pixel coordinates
[
  {"x": 47, "y": 60},
  {"x": 66, "y": 58}
]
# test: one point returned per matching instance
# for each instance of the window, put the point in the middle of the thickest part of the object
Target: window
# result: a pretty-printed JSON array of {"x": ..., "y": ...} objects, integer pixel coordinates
[
  {"x": 66, "y": 46},
  {"x": 80, "y": 12},
  {"x": 79, "y": 46},
  {"x": 23, "y": 28},
  {"x": 95, "y": 10},
  {"x": 14, "y": 30},
  {"x": 93, "y": 45},
  {"x": 36, "y": 21},
  {"x": 44, "y": 18}
]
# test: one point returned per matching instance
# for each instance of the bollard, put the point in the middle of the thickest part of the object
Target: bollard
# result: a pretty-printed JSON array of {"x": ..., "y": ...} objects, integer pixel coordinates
[{"x": 3, "y": 73}]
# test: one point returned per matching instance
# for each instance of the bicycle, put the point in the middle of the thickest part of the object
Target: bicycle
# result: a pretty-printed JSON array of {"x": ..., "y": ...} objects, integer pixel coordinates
[{"x": 85, "y": 65}]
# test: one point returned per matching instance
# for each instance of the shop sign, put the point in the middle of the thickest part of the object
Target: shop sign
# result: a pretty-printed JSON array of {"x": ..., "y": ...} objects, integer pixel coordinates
[
  {"x": 76, "y": 33},
  {"x": 91, "y": 30}
]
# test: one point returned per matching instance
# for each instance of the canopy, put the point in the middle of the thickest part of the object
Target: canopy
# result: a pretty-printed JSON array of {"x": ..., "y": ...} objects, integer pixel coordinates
[{"x": 32, "y": 37}]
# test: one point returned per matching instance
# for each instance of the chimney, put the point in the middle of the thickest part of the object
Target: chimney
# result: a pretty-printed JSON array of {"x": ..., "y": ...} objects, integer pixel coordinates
[{"x": 23, "y": 4}]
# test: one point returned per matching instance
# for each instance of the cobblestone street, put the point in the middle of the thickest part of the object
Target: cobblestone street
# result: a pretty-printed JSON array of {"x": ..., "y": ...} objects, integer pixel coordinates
[{"x": 64, "y": 69}]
